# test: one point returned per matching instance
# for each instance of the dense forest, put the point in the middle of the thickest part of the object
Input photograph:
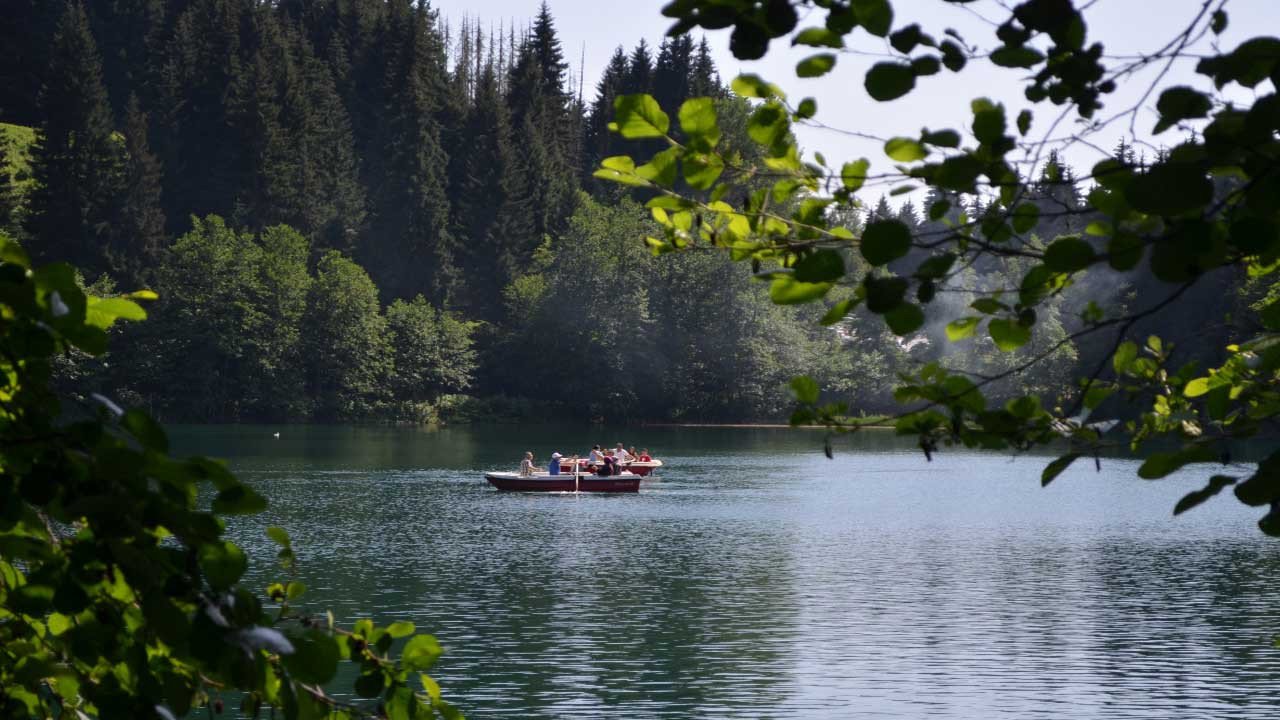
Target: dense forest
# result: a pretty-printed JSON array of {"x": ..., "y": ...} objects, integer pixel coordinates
[{"x": 351, "y": 209}]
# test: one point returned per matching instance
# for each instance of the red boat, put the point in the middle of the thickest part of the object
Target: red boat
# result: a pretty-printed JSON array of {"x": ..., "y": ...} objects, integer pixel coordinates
[
  {"x": 543, "y": 482},
  {"x": 639, "y": 467}
]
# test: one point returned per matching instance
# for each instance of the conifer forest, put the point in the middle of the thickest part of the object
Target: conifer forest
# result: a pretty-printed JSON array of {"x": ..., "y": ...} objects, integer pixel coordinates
[{"x": 359, "y": 210}]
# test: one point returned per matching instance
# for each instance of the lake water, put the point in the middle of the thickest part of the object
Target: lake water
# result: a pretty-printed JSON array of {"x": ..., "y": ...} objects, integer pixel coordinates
[{"x": 757, "y": 579}]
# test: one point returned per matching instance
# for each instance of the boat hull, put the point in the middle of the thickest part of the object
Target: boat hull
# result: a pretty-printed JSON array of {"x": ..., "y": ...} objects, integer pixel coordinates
[{"x": 513, "y": 482}]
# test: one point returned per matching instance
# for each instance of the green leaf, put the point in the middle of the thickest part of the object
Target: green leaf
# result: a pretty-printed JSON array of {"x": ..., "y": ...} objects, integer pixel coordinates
[
  {"x": 1024, "y": 122},
  {"x": 750, "y": 85},
  {"x": 1170, "y": 189},
  {"x": 1025, "y": 217},
  {"x": 768, "y": 125},
  {"x": 936, "y": 266},
  {"x": 988, "y": 121},
  {"x": 808, "y": 108},
  {"x": 1196, "y": 388},
  {"x": 889, "y": 81},
  {"x": 939, "y": 209},
  {"x": 953, "y": 56},
  {"x": 884, "y": 294},
  {"x": 1055, "y": 468},
  {"x": 1219, "y": 22},
  {"x": 805, "y": 389},
  {"x": 661, "y": 169},
  {"x": 1069, "y": 254},
  {"x": 1096, "y": 394},
  {"x": 964, "y": 327},
  {"x": 789, "y": 291},
  {"x": 884, "y": 241},
  {"x": 1158, "y": 465},
  {"x": 854, "y": 174},
  {"x": 1009, "y": 335},
  {"x": 620, "y": 169},
  {"x": 639, "y": 116},
  {"x": 1124, "y": 251},
  {"x": 239, "y": 500},
  {"x": 988, "y": 306},
  {"x": 1017, "y": 56},
  {"x": 904, "y": 319},
  {"x": 838, "y": 312},
  {"x": 420, "y": 653},
  {"x": 702, "y": 170},
  {"x": 279, "y": 537},
  {"x": 1264, "y": 485},
  {"x": 1124, "y": 357},
  {"x": 1180, "y": 103},
  {"x": 906, "y": 39},
  {"x": 816, "y": 65},
  {"x": 103, "y": 312},
  {"x": 905, "y": 149},
  {"x": 223, "y": 563},
  {"x": 1195, "y": 497},
  {"x": 942, "y": 138},
  {"x": 876, "y": 16},
  {"x": 820, "y": 267},
  {"x": 146, "y": 430},
  {"x": 400, "y": 629},
  {"x": 315, "y": 656},
  {"x": 818, "y": 37},
  {"x": 699, "y": 124}
]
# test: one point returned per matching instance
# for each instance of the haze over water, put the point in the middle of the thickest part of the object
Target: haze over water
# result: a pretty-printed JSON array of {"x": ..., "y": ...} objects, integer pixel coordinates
[{"x": 756, "y": 578}]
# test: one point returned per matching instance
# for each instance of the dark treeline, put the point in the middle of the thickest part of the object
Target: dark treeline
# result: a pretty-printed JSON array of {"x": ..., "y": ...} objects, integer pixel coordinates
[{"x": 352, "y": 210}]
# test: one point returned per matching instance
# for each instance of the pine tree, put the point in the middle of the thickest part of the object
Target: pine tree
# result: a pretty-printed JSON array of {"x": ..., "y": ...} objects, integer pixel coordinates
[
  {"x": 672, "y": 72},
  {"x": 639, "y": 76},
  {"x": 704, "y": 81},
  {"x": 204, "y": 84},
  {"x": 75, "y": 160},
  {"x": 139, "y": 235},
  {"x": 493, "y": 214},
  {"x": 414, "y": 250},
  {"x": 129, "y": 35},
  {"x": 548, "y": 137}
]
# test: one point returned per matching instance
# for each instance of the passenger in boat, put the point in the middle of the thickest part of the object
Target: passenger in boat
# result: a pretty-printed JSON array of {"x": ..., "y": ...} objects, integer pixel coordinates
[
  {"x": 608, "y": 466},
  {"x": 526, "y": 465},
  {"x": 554, "y": 467},
  {"x": 644, "y": 455},
  {"x": 596, "y": 455},
  {"x": 621, "y": 455},
  {"x": 632, "y": 452}
]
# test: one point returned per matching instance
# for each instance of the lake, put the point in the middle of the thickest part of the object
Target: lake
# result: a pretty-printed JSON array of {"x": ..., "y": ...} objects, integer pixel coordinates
[{"x": 757, "y": 579}]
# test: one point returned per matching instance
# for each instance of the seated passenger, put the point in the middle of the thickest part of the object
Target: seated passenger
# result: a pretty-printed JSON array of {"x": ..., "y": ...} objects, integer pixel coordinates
[
  {"x": 554, "y": 467},
  {"x": 644, "y": 455},
  {"x": 620, "y": 454}
]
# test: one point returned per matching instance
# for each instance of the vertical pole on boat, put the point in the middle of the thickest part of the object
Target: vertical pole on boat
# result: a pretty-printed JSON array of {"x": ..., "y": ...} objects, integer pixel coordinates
[{"x": 576, "y": 472}]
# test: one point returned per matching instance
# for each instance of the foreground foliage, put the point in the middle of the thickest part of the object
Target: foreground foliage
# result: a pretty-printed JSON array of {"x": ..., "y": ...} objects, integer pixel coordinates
[
  {"x": 119, "y": 596},
  {"x": 1209, "y": 205}
]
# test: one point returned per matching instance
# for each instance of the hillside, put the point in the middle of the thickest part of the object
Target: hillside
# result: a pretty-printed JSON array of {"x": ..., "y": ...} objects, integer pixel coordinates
[{"x": 17, "y": 159}]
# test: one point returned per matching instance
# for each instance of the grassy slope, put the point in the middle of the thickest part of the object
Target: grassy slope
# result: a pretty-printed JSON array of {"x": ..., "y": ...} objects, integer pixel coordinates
[{"x": 20, "y": 139}]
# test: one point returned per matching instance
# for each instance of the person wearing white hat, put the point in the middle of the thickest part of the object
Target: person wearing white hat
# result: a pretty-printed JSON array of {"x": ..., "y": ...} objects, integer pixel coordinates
[{"x": 554, "y": 467}]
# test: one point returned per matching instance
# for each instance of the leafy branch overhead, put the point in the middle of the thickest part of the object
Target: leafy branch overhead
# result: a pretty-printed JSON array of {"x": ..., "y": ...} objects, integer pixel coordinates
[{"x": 1207, "y": 205}]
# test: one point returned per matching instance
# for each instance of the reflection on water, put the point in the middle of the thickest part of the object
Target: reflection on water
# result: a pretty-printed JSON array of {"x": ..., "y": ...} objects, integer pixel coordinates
[{"x": 758, "y": 579}]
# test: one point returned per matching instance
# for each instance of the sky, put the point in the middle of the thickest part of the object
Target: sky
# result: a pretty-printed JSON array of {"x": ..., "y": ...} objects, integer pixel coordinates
[{"x": 590, "y": 30}]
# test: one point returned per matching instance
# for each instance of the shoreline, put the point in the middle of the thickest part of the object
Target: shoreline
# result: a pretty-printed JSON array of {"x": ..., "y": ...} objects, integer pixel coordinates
[{"x": 759, "y": 426}]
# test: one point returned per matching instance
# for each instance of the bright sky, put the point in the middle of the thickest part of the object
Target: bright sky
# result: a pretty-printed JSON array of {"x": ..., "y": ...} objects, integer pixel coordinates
[{"x": 593, "y": 28}]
